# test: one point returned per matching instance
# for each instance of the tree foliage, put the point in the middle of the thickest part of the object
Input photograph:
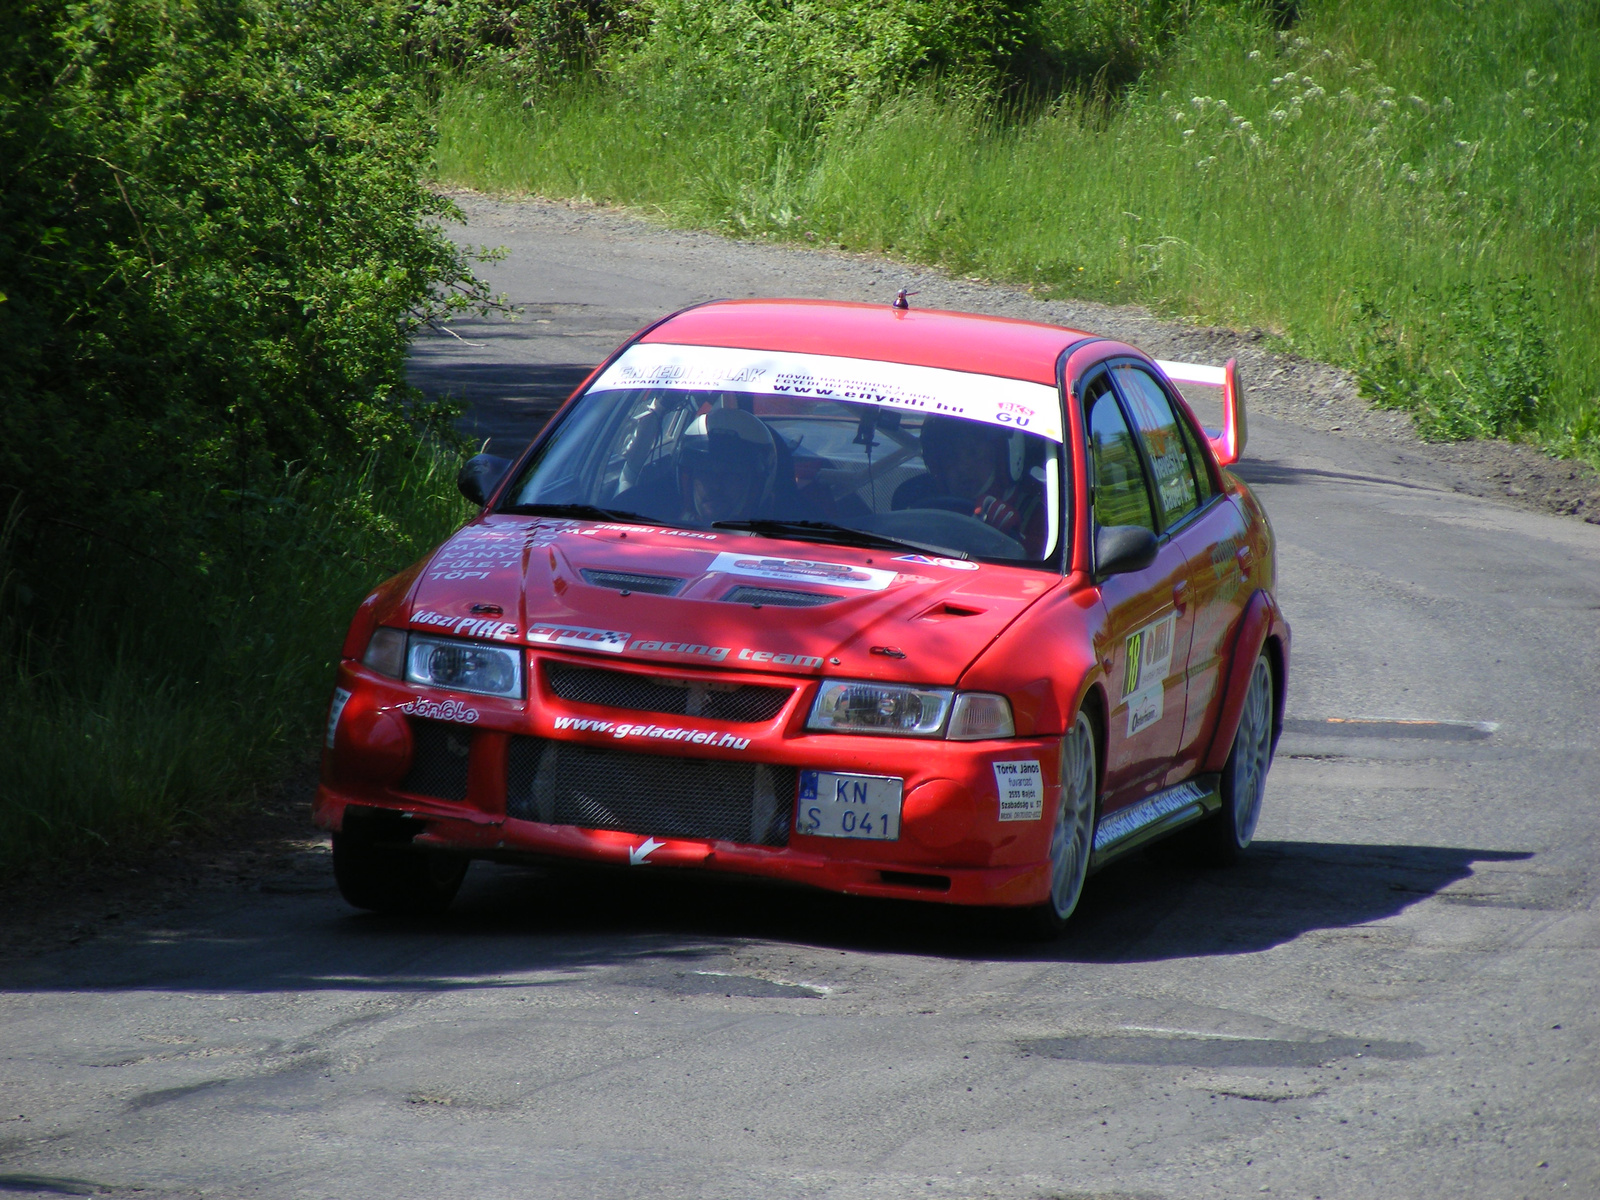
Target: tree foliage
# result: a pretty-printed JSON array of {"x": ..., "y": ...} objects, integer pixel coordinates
[{"x": 214, "y": 245}]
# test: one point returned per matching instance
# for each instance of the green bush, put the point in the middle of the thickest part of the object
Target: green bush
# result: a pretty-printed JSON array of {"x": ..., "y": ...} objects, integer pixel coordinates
[{"x": 214, "y": 247}]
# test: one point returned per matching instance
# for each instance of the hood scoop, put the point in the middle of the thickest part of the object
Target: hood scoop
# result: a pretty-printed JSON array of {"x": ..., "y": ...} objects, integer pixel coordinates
[
  {"x": 778, "y": 597},
  {"x": 627, "y": 581}
]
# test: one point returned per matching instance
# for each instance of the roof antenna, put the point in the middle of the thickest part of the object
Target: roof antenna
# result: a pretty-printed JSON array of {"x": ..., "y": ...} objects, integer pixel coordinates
[{"x": 902, "y": 299}]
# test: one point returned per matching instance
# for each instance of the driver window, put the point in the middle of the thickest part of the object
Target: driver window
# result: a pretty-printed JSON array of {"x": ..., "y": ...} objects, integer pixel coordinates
[{"x": 1121, "y": 492}]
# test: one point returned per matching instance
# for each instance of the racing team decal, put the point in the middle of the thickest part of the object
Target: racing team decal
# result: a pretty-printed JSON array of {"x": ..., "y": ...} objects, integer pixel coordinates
[
  {"x": 579, "y": 638},
  {"x": 1146, "y": 662},
  {"x": 439, "y": 710},
  {"x": 1021, "y": 788},
  {"x": 476, "y": 627},
  {"x": 799, "y": 570},
  {"x": 1009, "y": 403},
  {"x": 477, "y": 553}
]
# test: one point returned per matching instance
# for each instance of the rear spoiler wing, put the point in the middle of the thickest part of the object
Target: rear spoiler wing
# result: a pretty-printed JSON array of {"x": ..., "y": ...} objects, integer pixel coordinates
[{"x": 1229, "y": 443}]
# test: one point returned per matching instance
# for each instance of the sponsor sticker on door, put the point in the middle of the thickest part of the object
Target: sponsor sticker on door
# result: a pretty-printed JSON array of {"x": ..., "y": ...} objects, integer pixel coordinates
[{"x": 1147, "y": 659}]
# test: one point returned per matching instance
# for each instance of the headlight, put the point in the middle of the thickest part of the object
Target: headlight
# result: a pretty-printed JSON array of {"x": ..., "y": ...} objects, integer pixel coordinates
[
  {"x": 464, "y": 666},
  {"x": 852, "y": 706},
  {"x": 845, "y": 706},
  {"x": 386, "y": 652},
  {"x": 978, "y": 716}
]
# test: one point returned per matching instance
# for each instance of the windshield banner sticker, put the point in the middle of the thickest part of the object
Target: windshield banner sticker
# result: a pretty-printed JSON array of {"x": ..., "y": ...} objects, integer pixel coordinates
[
  {"x": 799, "y": 570},
  {"x": 1147, "y": 659},
  {"x": 579, "y": 638},
  {"x": 1009, "y": 403},
  {"x": 1021, "y": 788}
]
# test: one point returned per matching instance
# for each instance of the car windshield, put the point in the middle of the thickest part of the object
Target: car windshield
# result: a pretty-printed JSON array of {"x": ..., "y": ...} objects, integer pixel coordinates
[{"x": 813, "y": 447}]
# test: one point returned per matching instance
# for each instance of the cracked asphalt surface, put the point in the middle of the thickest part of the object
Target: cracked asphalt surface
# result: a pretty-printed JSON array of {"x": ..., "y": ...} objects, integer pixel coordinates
[{"x": 1394, "y": 995}]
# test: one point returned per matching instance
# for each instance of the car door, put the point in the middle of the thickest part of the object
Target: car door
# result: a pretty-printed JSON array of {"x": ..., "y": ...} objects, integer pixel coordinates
[
  {"x": 1145, "y": 636},
  {"x": 1210, "y": 530}
]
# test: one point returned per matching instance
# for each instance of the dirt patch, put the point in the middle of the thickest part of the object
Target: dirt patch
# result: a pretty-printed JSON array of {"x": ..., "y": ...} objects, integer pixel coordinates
[{"x": 272, "y": 848}]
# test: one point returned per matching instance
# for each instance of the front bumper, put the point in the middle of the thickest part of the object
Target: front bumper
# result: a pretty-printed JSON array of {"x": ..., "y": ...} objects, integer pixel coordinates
[{"x": 952, "y": 847}]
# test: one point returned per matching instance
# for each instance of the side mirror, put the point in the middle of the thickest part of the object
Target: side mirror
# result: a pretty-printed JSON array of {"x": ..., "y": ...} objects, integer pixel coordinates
[
  {"x": 1119, "y": 549},
  {"x": 479, "y": 477}
]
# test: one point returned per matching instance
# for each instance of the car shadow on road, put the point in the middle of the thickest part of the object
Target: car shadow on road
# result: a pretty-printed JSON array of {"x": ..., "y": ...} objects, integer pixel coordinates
[
  {"x": 528, "y": 927},
  {"x": 1271, "y": 471}
]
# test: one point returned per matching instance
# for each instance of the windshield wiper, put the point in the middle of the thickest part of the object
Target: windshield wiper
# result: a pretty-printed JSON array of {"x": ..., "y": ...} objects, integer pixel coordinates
[
  {"x": 587, "y": 512},
  {"x": 842, "y": 535}
]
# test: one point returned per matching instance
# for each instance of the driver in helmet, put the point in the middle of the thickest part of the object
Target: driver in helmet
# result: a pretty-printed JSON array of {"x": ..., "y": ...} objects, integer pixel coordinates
[
  {"x": 726, "y": 467},
  {"x": 970, "y": 462}
]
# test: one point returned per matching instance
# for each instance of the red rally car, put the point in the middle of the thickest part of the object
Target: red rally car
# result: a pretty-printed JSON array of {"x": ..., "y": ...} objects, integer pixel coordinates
[{"x": 890, "y": 602}]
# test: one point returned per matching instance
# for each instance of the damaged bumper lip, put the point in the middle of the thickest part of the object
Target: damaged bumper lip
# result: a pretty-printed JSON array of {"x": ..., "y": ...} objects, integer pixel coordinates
[{"x": 510, "y": 838}]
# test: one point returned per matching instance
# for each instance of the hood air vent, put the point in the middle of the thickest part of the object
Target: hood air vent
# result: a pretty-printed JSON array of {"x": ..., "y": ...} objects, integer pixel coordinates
[
  {"x": 626, "y": 581},
  {"x": 777, "y": 597}
]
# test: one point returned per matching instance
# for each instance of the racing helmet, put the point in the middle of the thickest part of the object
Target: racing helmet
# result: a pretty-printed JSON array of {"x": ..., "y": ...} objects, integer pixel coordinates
[
  {"x": 941, "y": 435},
  {"x": 734, "y": 449}
]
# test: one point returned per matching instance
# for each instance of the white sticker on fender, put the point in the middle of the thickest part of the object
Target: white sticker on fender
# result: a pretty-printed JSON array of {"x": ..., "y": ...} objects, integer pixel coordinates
[
  {"x": 340, "y": 698},
  {"x": 1021, "y": 789},
  {"x": 799, "y": 570},
  {"x": 1008, "y": 403}
]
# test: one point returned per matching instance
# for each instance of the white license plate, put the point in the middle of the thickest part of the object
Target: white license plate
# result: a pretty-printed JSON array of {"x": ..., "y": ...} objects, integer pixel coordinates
[{"x": 849, "y": 806}]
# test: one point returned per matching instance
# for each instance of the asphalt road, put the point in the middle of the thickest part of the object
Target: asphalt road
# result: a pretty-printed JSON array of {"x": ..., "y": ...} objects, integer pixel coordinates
[{"x": 1395, "y": 995}]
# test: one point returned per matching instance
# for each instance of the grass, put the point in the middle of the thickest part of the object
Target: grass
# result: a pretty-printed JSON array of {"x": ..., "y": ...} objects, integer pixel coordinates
[
  {"x": 158, "y": 709},
  {"x": 1369, "y": 186}
]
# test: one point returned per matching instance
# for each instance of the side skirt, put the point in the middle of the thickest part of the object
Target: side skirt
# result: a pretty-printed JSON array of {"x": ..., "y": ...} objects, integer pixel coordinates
[{"x": 1155, "y": 816}]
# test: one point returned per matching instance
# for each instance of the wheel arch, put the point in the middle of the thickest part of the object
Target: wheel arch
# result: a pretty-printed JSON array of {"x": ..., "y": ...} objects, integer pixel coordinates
[
  {"x": 1094, "y": 705},
  {"x": 1261, "y": 628},
  {"x": 1277, "y": 662}
]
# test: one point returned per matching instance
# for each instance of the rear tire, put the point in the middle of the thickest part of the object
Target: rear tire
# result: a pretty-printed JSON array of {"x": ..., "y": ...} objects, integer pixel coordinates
[
  {"x": 1072, "y": 836},
  {"x": 1228, "y": 833},
  {"x": 396, "y": 879}
]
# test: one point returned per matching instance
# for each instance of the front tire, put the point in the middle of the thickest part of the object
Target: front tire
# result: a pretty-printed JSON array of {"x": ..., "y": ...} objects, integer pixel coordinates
[
  {"x": 1229, "y": 832},
  {"x": 395, "y": 879},
  {"x": 1072, "y": 837}
]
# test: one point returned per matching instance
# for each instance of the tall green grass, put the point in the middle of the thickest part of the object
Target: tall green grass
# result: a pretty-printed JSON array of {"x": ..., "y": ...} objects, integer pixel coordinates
[
  {"x": 160, "y": 705},
  {"x": 1413, "y": 190}
]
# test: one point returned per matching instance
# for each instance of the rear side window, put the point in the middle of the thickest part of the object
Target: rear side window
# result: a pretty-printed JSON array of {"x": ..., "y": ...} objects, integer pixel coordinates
[
  {"x": 1176, "y": 491},
  {"x": 1197, "y": 459},
  {"x": 1121, "y": 493}
]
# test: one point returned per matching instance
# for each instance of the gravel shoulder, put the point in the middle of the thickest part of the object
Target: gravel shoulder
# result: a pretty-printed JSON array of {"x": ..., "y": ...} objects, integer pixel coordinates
[{"x": 652, "y": 268}]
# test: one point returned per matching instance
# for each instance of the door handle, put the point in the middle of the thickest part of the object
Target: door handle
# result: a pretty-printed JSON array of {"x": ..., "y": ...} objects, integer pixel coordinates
[{"x": 1180, "y": 595}]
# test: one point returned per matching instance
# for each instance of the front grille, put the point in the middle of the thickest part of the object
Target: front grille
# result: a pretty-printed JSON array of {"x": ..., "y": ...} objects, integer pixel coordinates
[
  {"x": 625, "y": 581},
  {"x": 438, "y": 760},
  {"x": 777, "y": 597},
  {"x": 563, "y": 783},
  {"x": 743, "y": 702}
]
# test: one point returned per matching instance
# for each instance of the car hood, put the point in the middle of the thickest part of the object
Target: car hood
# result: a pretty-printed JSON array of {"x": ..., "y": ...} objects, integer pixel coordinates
[{"x": 630, "y": 592}]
